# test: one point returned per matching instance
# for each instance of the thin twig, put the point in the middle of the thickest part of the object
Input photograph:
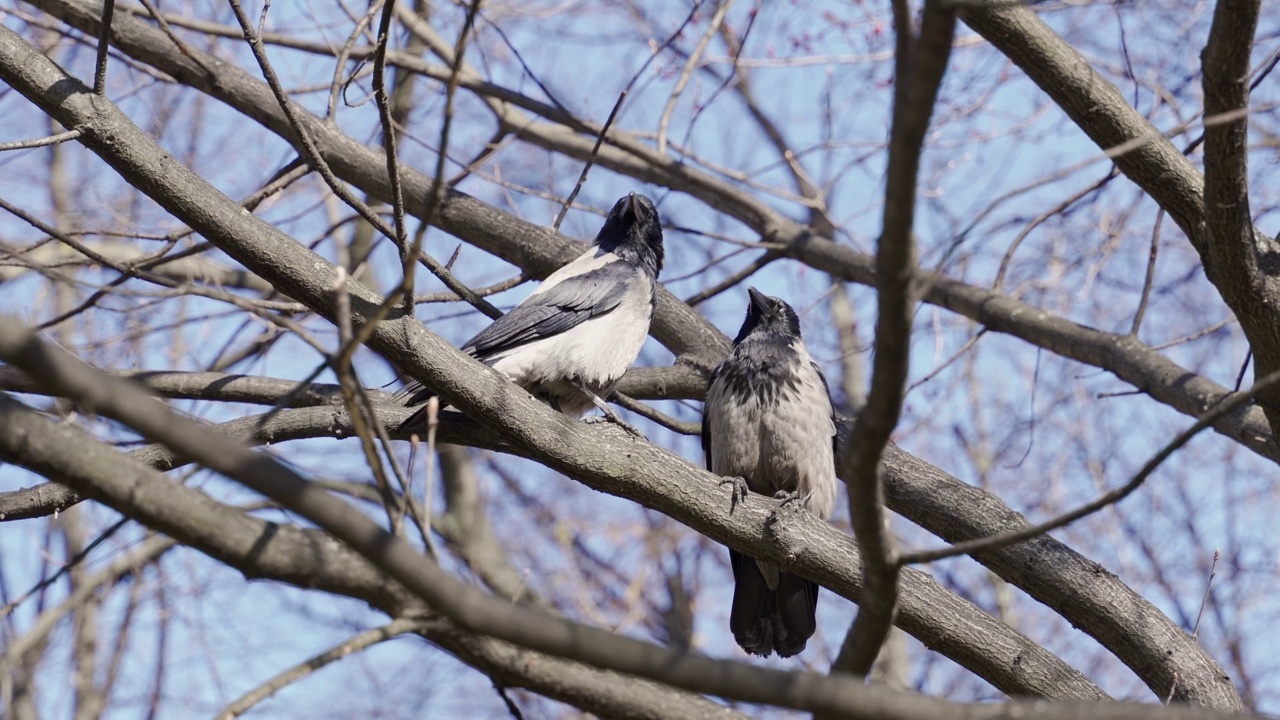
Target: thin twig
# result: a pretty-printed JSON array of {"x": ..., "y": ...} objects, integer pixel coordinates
[
  {"x": 1243, "y": 367},
  {"x": 1039, "y": 220},
  {"x": 428, "y": 490},
  {"x": 968, "y": 345},
  {"x": 383, "y": 102},
  {"x": 104, "y": 44},
  {"x": 970, "y": 547},
  {"x": 690, "y": 65},
  {"x": 656, "y": 415},
  {"x": 40, "y": 142},
  {"x": 353, "y": 645},
  {"x": 71, "y": 562},
  {"x": 1147, "y": 284},
  {"x": 1208, "y": 586},
  {"x": 761, "y": 261},
  {"x": 506, "y": 700},
  {"x": 337, "y": 85},
  {"x": 595, "y": 150}
]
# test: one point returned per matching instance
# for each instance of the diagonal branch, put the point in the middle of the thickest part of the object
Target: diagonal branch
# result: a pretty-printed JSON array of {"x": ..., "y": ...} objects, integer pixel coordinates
[
  {"x": 469, "y": 607},
  {"x": 351, "y": 645},
  {"x": 1097, "y": 107},
  {"x": 1111, "y": 497},
  {"x": 310, "y": 559}
]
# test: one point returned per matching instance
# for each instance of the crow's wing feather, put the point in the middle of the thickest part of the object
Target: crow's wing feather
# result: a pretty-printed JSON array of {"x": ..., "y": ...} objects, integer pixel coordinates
[
  {"x": 706, "y": 420},
  {"x": 835, "y": 435},
  {"x": 554, "y": 310},
  {"x": 545, "y": 313}
]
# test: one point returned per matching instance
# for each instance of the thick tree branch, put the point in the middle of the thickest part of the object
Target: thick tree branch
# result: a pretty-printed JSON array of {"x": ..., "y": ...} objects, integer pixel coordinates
[
  {"x": 1212, "y": 211},
  {"x": 308, "y": 559},
  {"x": 1244, "y": 261},
  {"x": 34, "y": 502},
  {"x": 233, "y": 537},
  {"x": 920, "y": 65},
  {"x": 472, "y": 609},
  {"x": 1097, "y": 107},
  {"x": 673, "y": 382}
]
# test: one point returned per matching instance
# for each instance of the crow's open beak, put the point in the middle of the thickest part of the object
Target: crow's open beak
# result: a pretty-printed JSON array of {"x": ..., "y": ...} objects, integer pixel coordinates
[{"x": 759, "y": 300}]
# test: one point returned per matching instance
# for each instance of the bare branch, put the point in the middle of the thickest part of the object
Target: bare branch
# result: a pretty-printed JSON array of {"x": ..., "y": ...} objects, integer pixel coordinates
[
  {"x": 690, "y": 65},
  {"x": 41, "y": 142},
  {"x": 586, "y": 168},
  {"x": 39, "y": 501},
  {"x": 145, "y": 554},
  {"x": 311, "y": 559},
  {"x": 350, "y": 646},
  {"x": 921, "y": 64},
  {"x": 1110, "y": 497},
  {"x": 104, "y": 45},
  {"x": 116, "y": 397}
]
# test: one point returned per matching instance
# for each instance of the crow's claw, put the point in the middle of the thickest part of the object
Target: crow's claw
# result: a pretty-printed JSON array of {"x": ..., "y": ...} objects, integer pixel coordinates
[
  {"x": 786, "y": 496},
  {"x": 740, "y": 490},
  {"x": 616, "y": 420}
]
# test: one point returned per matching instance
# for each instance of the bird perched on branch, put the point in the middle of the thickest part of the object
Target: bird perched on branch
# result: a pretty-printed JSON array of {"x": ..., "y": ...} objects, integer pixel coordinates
[
  {"x": 571, "y": 340},
  {"x": 768, "y": 426}
]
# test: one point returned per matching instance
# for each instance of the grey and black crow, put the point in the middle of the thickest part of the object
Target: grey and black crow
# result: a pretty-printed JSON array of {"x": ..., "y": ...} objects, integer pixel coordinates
[
  {"x": 570, "y": 341},
  {"x": 768, "y": 426}
]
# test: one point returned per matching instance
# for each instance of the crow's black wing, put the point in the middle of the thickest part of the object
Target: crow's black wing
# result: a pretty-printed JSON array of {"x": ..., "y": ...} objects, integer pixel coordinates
[
  {"x": 706, "y": 423},
  {"x": 835, "y": 434},
  {"x": 565, "y": 305}
]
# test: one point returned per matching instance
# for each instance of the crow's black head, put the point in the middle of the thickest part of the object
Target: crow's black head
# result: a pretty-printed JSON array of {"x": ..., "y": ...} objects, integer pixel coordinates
[
  {"x": 633, "y": 233},
  {"x": 769, "y": 316}
]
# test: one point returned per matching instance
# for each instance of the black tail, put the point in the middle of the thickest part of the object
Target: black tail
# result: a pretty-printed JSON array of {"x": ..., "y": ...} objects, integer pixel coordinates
[{"x": 766, "y": 620}]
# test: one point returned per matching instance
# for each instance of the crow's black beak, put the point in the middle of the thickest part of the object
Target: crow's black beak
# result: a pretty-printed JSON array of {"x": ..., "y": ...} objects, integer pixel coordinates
[
  {"x": 631, "y": 206},
  {"x": 759, "y": 300}
]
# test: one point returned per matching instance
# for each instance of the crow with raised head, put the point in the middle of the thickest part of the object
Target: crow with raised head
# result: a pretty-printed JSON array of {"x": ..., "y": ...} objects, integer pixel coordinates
[
  {"x": 571, "y": 340},
  {"x": 769, "y": 427}
]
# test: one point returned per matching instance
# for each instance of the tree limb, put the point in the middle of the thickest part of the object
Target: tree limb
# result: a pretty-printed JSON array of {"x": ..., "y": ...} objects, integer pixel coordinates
[{"x": 920, "y": 66}]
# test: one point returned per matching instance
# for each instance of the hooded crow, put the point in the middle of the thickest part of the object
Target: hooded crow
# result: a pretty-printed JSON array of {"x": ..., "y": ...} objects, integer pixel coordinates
[
  {"x": 571, "y": 340},
  {"x": 769, "y": 426}
]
